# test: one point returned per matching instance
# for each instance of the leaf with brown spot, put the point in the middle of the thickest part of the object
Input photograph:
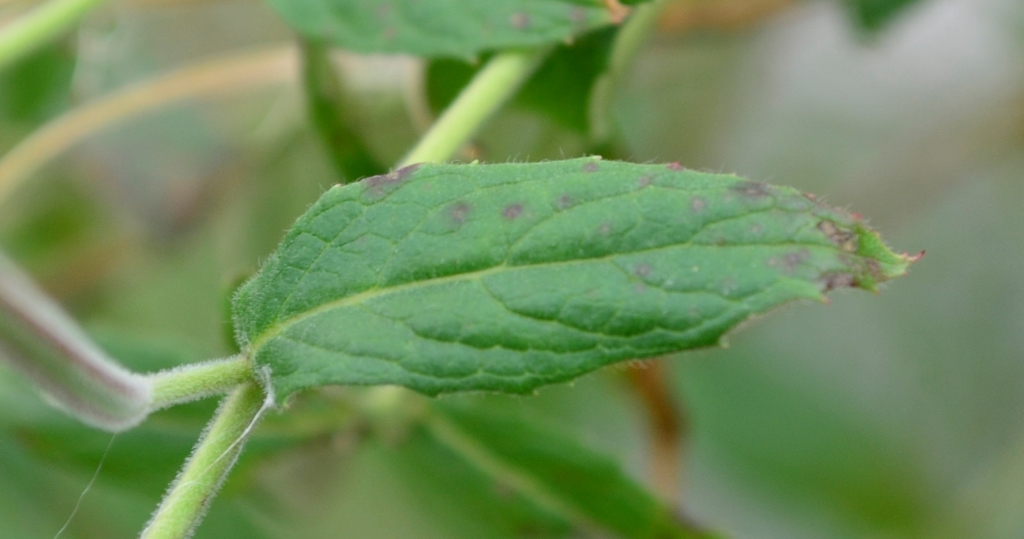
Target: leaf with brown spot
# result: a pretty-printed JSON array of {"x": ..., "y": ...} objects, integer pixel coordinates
[{"x": 486, "y": 282}]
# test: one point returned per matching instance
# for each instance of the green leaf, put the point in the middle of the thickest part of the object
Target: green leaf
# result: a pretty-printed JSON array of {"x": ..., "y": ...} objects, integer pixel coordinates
[
  {"x": 506, "y": 277},
  {"x": 873, "y": 15},
  {"x": 557, "y": 473},
  {"x": 442, "y": 28}
]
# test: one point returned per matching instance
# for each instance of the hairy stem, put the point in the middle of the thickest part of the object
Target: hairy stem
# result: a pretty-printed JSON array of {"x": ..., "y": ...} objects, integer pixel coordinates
[
  {"x": 218, "y": 449},
  {"x": 191, "y": 382},
  {"x": 39, "y": 26},
  {"x": 486, "y": 93}
]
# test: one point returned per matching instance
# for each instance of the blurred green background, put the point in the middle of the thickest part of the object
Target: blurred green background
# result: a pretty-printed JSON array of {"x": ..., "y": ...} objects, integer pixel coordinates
[{"x": 880, "y": 417}]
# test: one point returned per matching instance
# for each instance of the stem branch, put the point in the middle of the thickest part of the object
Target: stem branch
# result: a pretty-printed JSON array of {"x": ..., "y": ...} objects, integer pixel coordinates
[
  {"x": 184, "y": 505},
  {"x": 192, "y": 382},
  {"x": 489, "y": 90},
  {"x": 39, "y": 26}
]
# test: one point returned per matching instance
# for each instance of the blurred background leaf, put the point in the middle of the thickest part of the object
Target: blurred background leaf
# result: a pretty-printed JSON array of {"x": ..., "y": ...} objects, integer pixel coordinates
[{"x": 873, "y": 15}]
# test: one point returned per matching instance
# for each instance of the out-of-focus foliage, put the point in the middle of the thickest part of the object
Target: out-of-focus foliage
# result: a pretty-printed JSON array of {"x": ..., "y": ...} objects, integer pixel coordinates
[
  {"x": 899, "y": 416},
  {"x": 446, "y": 28},
  {"x": 37, "y": 87},
  {"x": 875, "y": 14}
]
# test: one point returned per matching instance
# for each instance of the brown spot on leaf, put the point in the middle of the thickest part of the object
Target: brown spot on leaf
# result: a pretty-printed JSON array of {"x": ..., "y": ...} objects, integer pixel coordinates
[
  {"x": 844, "y": 239},
  {"x": 605, "y": 228},
  {"x": 875, "y": 269},
  {"x": 393, "y": 177},
  {"x": 643, "y": 181},
  {"x": 520, "y": 20},
  {"x": 578, "y": 15},
  {"x": 380, "y": 185},
  {"x": 564, "y": 201},
  {"x": 590, "y": 166},
  {"x": 752, "y": 190},
  {"x": 458, "y": 212},
  {"x": 791, "y": 261},
  {"x": 831, "y": 281},
  {"x": 512, "y": 211},
  {"x": 642, "y": 270},
  {"x": 697, "y": 204}
]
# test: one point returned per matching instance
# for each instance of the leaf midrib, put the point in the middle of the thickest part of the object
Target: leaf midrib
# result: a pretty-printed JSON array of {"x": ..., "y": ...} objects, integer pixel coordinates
[{"x": 366, "y": 295}]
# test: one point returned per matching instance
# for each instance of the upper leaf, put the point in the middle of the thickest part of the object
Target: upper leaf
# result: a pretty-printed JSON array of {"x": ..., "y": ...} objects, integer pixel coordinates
[
  {"x": 507, "y": 277},
  {"x": 452, "y": 28}
]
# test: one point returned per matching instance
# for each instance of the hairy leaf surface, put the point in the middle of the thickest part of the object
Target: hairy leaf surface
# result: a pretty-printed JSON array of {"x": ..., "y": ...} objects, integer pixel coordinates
[
  {"x": 506, "y": 277},
  {"x": 452, "y": 28}
]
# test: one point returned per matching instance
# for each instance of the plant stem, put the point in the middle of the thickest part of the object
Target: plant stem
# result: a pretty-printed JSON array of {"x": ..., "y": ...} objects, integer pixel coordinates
[
  {"x": 489, "y": 90},
  {"x": 39, "y": 26},
  {"x": 628, "y": 41},
  {"x": 225, "y": 75},
  {"x": 218, "y": 449},
  {"x": 191, "y": 382}
]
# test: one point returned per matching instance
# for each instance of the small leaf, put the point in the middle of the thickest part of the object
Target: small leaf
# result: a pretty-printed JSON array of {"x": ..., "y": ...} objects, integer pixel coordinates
[
  {"x": 557, "y": 473},
  {"x": 443, "y": 28},
  {"x": 506, "y": 277}
]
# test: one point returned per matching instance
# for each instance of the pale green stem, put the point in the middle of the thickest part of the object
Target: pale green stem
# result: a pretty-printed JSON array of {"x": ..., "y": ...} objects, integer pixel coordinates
[
  {"x": 218, "y": 449},
  {"x": 628, "y": 42},
  {"x": 191, "y": 382},
  {"x": 39, "y": 26},
  {"x": 492, "y": 86}
]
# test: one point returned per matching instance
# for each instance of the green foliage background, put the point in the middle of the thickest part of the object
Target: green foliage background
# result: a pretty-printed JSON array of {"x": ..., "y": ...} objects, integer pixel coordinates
[{"x": 898, "y": 416}]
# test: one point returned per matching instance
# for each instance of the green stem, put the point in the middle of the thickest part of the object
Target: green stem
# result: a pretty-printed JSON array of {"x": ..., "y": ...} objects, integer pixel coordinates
[
  {"x": 39, "y": 26},
  {"x": 191, "y": 382},
  {"x": 205, "y": 471},
  {"x": 489, "y": 90},
  {"x": 628, "y": 42}
]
